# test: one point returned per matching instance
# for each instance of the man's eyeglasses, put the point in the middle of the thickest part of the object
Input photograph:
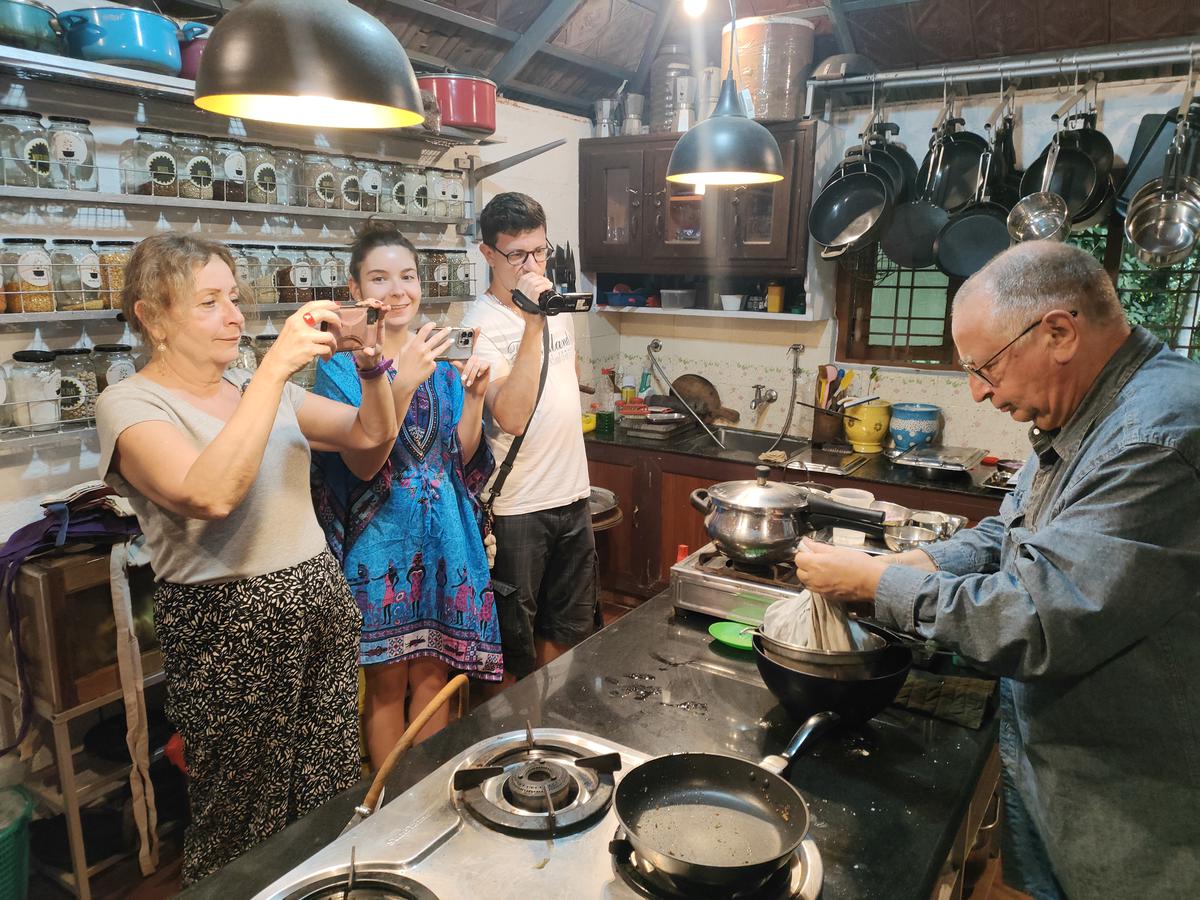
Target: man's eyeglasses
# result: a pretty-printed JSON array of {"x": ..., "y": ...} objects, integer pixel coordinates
[
  {"x": 978, "y": 371},
  {"x": 518, "y": 257}
]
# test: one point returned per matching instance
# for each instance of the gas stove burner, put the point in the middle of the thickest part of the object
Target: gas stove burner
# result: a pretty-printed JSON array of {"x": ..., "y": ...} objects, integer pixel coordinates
[
  {"x": 781, "y": 574},
  {"x": 799, "y": 878},
  {"x": 537, "y": 786},
  {"x": 540, "y": 786},
  {"x": 359, "y": 882}
]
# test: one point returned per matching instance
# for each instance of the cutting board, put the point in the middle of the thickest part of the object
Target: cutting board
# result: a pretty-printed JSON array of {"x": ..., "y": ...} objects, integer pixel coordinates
[{"x": 702, "y": 396}]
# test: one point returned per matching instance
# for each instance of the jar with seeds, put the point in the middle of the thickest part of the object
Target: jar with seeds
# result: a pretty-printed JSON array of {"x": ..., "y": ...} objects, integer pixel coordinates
[
  {"x": 27, "y": 278},
  {"x": 321, "y": 182},
  {"x": 370, "y": 179},
  {"x": 76, "y": 385},
  {"x": 349, "y": 187},
  {"x": 148, "y": 164},
  {"x": 263, "y": 172},
  {"x": 193, "y": 157},
  {"x": 112, "y": 363},
  {"x": 229, "y": 170},
  {"x": 289, "y": 176},
  {"x": 72, "y": 154},
  {"x": 76, "y": 268},
  {"x": 25, "y": 147},
  {"x": 114, "y": 256}
]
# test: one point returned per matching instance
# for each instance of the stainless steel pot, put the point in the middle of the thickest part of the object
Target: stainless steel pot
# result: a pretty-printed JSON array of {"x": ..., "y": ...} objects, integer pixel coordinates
[{"x": 760, "y": 521}]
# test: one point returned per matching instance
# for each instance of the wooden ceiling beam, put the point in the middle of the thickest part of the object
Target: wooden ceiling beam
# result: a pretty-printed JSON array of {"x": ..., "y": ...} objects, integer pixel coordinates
[
  {"x": 535, "y": 38},
  {"x": 666, "y": 11},
  {"x": 841, "y": 27},
  {"x": 567, "y": 101}
]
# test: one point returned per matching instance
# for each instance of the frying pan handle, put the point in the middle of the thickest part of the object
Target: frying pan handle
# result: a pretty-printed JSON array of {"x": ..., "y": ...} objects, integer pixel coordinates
[
  {"x": 834, "y": 252},
  {"x": 621, "y": 849},
  {"x": 1051, "y": 162},
  {"x": 700, "y": 500},
  {"x": 816, "y": 725},
  {"x": 822, "y": 511}
]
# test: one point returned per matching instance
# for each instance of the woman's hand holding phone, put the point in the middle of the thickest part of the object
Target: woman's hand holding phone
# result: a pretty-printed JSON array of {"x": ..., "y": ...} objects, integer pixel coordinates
[
  {"x": 301, "y": 339},
  {"x": 475, "y": 374},
  {"x": 419, "y": 358},
  {"x": 369, "y": 356}
]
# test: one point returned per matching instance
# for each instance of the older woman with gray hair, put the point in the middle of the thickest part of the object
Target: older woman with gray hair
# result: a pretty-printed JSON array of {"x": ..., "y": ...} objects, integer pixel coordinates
[
  {"x": 258, "y": 629},
  {"x": 1082, "y": 593}
]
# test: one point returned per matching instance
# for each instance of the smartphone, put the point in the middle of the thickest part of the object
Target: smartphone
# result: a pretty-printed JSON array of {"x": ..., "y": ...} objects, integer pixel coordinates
[
  {"x": 357, "y": 328},
  {"x": 462, "y": 344}
]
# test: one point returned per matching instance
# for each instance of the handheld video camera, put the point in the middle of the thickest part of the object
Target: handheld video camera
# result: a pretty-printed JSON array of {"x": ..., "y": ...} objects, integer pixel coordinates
[{"x": 551, "y": 302}]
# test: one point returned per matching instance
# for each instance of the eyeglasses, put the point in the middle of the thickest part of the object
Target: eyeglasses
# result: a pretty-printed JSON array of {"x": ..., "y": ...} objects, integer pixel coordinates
[
  {"x": 518, "y": 257},
  {"x": 978, "y": 371}
]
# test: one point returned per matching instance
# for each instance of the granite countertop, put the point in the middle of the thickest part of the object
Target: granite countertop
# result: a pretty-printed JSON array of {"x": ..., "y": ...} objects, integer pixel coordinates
[
  {"x": 886, "y": 801},
  {"x": 878, "y": 468}
]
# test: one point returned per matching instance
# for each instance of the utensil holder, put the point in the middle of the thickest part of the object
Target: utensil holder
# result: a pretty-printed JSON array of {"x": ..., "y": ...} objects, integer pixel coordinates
[{"x": 827, "y": 428}]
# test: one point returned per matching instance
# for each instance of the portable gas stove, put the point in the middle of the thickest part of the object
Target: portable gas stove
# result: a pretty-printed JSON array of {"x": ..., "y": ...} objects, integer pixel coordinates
[{"x": 526, "y": 815}]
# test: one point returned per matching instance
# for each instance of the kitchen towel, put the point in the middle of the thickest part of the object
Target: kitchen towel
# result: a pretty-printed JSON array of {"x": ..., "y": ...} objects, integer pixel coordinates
[
  {"x": 809, "y": 621},
  {"x": 963, "y": 701}
]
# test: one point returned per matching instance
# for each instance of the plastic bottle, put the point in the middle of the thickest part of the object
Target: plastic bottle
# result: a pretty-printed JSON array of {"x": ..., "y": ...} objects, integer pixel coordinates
[
  {"x": 644, "y": 383},
  {"x": 628, "y": 389}
]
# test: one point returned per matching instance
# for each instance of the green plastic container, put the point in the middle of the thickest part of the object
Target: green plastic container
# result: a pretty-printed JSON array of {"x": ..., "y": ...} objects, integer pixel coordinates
[{"x": 14, "y": 843}]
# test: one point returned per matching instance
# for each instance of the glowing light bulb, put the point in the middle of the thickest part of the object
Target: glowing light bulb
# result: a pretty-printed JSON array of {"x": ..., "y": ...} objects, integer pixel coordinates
[{"x": 695, "y": 8}]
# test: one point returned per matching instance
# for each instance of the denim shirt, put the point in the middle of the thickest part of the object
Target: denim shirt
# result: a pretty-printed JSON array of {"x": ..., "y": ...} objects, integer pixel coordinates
[{"x": 1085, "y": 592}]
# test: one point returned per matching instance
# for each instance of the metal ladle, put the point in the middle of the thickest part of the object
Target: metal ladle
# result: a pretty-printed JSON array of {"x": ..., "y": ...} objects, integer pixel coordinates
[{"x": 1042, "y": 216}]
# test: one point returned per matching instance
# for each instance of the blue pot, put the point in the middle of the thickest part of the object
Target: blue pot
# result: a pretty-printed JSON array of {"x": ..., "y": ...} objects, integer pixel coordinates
[
  {"x": 915, "y": 425},
  {"x": 29, "y": 25},
  {"x": 123, "y": 37}
]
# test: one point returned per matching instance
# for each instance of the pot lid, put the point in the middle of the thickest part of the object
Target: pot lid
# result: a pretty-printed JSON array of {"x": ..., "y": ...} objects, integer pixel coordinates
[{"x": 760, "y": 495}]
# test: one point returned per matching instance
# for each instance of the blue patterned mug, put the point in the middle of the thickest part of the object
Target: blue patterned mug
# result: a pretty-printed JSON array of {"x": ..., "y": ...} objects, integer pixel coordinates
[{"x": 915, "y": 424}]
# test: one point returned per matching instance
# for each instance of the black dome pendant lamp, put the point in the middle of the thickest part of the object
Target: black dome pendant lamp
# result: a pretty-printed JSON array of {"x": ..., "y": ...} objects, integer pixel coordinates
[
  {"x": 727, "y": 148},
  {"x": 320, "y": 63}
]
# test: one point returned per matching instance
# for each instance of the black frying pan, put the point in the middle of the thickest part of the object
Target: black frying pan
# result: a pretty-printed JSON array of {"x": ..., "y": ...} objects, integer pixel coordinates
[
  {"x": 908, "y": 240},
  {"x": 1074, "y": 178},
  {"x": 850, "y": 212},
  {"x": 711, "y": 819},
  {"x": 975, "y": 234},
  {"x": 887, "y": 163}
]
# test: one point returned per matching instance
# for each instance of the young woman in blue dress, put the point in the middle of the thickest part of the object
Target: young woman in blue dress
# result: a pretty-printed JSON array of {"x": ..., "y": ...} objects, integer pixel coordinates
[{"x": 409, "y": 538}]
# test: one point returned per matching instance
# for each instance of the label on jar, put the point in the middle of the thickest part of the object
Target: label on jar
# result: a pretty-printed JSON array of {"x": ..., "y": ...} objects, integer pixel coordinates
[
  {"x": 326, "y": 187},
  {"x": 68, "y": 147},
  {"x": 71, "y": 394},
  {"x": 400, "y": 196},
  {"x": 351, "y": 191},
  {"x": 330, "y": 273},
  {"x": 118, "y": 371},
  {"x": 243, "y": 268},
  {"x": 300, "y": 276},
  {"x": 89, "y": 270},
  {"x": 265, "y": 178},
  {"x": 420, "y": 201},
  {"x": 33, "y": 268},
  {"x": 372, "y": 182},
  {"x": 235, "y": 166},
  {"x": 454, "y": 189},
  {"x": 441, "y": 274},
  {"x": 462, "y": 272},
  {"x": 37, "y": 155},
  {"x": 161, "y": 166},
  {"x": 199, "y": 171}
]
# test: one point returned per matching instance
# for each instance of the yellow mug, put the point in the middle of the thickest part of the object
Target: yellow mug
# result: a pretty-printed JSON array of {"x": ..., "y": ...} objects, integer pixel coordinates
[{"x": 866, "y": 425}]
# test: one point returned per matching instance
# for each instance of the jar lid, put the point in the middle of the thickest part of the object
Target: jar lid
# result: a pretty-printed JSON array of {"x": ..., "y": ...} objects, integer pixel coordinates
[
  {"x": 34, "y": 356},
  {"x": 69, "y": 120},
  {"x": 148, "y": 130},
  {"x": 313, "y": 154},
  {"x": 113, "y": 348},
  {"x": 71, "y": 242},
  {"x": 227, "y": 140},
  {"x": 72, "y": 351},
  {"x": 191, "y": 135},
  {"x": 760, "y": 495},
  {"x": 266, "y": 337},
  {"x": 27, "y": 113},
  {"x": 115, "y": 243},
  {"x": 41, "y": 241}
]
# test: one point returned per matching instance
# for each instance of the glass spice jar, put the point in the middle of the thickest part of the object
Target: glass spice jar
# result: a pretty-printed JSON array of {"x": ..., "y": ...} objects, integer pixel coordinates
[
  {"x": 72, "y": 154},
  {"x": 435, "y": 281},
  {"x": 327, "y": 274},
  {"x": 289, "y": 176},
  {"x": 295, "y": 281},
  {"x": 27, "y": 280},
  {"x": 148, "y": 164},
  {"x": 33, "y": 390},
  {"x": 456, "y": 193},
  {"x": 25, "y": 147},
  {"x": 193, "y": 157},
  {"x": 112, "y": 363},
  {"x": 113, "y": 257},
  {"x": 241, "y": 265},
  {"x": 229, "y": 168},
  {"x": 349, "y": 187},
  {"x": 263, "y": 262},
  {"x": 341, "y": 292},
  {"x": 370, "y": 179},
  {"x": 321, "y": 182},
  {"x": 416, "y": 189},
  {"x": 262, "y": 346},
  {"x": 76, "y": 385},
  {"x": 393, "y": 198},
  {"x": 438, "y": 196},
  {"x": 460, "y": 273},
  {"x": 76, "y": 268},
  {"x": 263, "y": 183}
]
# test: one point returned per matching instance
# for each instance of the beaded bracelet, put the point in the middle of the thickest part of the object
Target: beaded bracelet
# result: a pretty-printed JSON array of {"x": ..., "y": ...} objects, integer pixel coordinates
[{"x": 376, "y": 371}]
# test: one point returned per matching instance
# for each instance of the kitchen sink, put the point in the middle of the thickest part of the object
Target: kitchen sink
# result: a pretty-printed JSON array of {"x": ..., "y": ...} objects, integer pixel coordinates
[{"x": 748, "y": 444}]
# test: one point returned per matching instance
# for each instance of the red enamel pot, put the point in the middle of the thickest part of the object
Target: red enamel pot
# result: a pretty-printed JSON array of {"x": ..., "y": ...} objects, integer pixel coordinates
[{"x": 465, "y": 101}]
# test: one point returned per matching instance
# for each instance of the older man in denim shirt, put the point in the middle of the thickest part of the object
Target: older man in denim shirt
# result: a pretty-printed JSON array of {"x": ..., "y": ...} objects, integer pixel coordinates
[{"x": 1084, "y": 592}]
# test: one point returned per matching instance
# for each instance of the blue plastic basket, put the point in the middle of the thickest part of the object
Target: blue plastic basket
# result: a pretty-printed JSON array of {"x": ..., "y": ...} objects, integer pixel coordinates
[{"x": 14, "y": 852}]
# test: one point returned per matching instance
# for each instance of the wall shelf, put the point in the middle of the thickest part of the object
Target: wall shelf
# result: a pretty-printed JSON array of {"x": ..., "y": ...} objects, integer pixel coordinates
[
  {"x": 706, "y": 313},
  {"x": 12, "y": 440}
]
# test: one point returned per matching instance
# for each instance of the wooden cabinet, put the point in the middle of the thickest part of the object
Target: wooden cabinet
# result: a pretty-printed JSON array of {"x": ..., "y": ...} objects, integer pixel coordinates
[
  {"x": 654, "y": 486},
  {"x": 632, "y": 220}
]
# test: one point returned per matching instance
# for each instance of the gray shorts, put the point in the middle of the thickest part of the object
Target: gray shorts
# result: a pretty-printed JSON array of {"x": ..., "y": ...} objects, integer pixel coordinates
[{"x": 545, "y": 580}]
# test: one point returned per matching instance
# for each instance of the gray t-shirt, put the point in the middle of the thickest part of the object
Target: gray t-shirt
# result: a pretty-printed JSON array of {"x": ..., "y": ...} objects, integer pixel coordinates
[{"x": 273, "y": 528}]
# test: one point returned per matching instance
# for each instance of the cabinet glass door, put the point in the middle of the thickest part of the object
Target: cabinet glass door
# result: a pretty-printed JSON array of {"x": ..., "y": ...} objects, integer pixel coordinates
[
  {"x": 613, "y": 217},
  {"x": 757, "y": 216},
  {"x": 681, "y": 223}
]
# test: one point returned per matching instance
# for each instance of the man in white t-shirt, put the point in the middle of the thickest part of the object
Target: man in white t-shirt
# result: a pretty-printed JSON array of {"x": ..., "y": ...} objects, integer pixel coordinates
[{"x": 545, "y": 550}]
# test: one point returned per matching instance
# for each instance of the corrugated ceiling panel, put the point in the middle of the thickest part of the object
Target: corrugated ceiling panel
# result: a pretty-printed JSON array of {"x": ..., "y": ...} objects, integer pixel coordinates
[
  {"x": 519, "y": 14},
  {"x": 612, "y": 30},
  {"x": 1005, "y": 27},
  {"x": 1073, "y": 24}
]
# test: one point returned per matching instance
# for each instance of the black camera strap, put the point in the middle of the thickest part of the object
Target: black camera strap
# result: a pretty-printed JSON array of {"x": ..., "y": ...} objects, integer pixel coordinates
[{"x": 510, "y": 458}]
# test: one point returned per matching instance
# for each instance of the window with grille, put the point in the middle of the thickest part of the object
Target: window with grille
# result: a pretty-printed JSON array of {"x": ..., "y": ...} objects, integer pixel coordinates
[{"x": 887, "y": 314}]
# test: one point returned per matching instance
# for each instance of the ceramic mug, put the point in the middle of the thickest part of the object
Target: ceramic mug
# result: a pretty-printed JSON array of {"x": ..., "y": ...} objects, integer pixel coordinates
[
  {"x": 851, "y": 537},
  {"x": 915, "y": 425},
  {"x": 866, "y": 425}
]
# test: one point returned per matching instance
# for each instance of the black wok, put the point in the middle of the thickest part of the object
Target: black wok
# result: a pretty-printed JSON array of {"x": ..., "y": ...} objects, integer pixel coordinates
[
  {"x": 711, "y": 819},
  {"x": 850, "y": 212},
  {"x": 886, "y": 163},
  {"x": 804, "y": 693}
]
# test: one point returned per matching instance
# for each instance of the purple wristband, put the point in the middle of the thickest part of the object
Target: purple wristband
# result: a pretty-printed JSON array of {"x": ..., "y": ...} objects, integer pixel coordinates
[{"x": 368, "y": 374}]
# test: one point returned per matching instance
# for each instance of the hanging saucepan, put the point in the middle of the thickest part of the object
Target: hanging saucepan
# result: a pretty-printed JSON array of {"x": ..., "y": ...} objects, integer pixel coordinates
[
  {"x": 952, "y": 186},
  {"x": 760, "y": 522},
  {"x": 1164, "y": 216},
  {"x": 908, "y": 241},
  {"x": 850, "y": 212},
  {"x": 668, "y": 806},
  {"x": 974, "y": 235},
  {"x": 1043, "y": 216}
]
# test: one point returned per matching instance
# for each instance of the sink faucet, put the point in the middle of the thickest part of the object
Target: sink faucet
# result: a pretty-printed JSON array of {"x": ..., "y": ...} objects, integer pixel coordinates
[{"x": 762, "y": 396}]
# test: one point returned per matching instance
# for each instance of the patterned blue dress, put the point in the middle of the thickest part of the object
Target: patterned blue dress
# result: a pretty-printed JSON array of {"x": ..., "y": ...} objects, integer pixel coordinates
[{"x": 409, "y": 540}]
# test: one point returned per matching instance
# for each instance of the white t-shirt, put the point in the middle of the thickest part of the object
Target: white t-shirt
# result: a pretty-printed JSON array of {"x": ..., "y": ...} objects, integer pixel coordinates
[{"x": 551, "y": 467}]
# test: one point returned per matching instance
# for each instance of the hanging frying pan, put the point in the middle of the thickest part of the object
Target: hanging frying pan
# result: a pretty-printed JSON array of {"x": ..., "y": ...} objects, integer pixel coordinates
[
  {"x": 1090, "y": 141},
  {"x": 952, "y": 184},
  {"x": 879, "y": 141},
  {"x": 971, "y": 237},
  {"x": 850, "y": 212},
  {"x": 908, "y": 240},
  {"x": 885, "y": 164}
]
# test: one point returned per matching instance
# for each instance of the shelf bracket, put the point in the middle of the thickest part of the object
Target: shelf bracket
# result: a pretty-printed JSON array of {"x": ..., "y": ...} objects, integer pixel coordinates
[{"x": 477, "y": 174}]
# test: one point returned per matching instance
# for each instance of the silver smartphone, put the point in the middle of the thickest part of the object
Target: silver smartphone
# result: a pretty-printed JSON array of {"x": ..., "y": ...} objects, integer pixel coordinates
[{"x": 462, "y": 344}]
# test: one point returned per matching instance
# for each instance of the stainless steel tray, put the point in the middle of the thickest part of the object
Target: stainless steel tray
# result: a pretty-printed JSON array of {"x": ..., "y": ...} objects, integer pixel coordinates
[{"x": 950, "y": 459}]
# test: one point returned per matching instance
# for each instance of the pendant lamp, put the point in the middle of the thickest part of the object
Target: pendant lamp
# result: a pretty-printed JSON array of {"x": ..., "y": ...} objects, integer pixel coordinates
[
  {"x": 727, "y": 148},
  {"x": 320, "y": 63}
]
